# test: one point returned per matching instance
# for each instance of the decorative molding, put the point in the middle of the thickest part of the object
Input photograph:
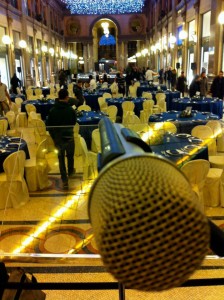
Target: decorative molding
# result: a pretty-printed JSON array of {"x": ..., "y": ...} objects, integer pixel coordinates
[
  {"x": 136, "y": 24},
  {"x": 73, "y": 27}
]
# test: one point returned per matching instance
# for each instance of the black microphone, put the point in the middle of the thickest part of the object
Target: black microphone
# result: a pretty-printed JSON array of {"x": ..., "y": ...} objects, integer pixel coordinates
[{"x": 149, "y": 229}]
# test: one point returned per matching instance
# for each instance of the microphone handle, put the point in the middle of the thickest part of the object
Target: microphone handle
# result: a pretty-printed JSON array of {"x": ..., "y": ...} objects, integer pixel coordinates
[{"x": 216, "y": 239}]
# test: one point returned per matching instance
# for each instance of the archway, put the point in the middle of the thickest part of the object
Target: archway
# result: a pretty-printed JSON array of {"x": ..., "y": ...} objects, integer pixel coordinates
[{"x": 104, "y": 33}]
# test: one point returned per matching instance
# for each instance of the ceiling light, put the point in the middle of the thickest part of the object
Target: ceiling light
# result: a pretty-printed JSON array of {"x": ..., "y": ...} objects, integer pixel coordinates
[{"x": 96, "y": 7}]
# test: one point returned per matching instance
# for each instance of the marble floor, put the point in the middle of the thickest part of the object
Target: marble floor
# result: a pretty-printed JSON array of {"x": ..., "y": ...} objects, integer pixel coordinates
[{"x": 51, "y": 236}]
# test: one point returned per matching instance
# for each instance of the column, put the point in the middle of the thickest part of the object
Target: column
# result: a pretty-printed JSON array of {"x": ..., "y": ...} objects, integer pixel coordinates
[
  {"x": 11, "y": 48},
  {"x": 85, "y": 57}
]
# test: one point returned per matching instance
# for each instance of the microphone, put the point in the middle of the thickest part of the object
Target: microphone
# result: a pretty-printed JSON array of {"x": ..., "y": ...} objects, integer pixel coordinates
[{"x": 149, "y": 229}]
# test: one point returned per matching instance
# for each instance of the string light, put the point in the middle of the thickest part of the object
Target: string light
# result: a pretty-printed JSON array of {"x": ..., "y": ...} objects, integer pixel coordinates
[{"x": 96, "y": 7}]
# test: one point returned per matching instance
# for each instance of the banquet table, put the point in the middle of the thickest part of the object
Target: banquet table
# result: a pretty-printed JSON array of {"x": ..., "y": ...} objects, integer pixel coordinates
[
  {"x": 9, "y": 145},
  {"x": 92, "y": 98},
  {"x": 88, "y": 121},
  {"x": 150, "y": 88},
  {"x": 45, "y": 90},
  {"x": 213, "y": 105},
  {"x": 14, "y": 96},
  {"x": 184, "y": 125},
  {"x": 118, "y": 103},
  {"x": 42, "y": 107},
  {"x": 181, "y": 148}
]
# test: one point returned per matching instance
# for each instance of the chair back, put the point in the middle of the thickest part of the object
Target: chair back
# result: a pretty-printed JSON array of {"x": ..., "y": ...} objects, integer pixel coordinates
[
  {"x": 128, "y": 106},
  {"x": 33, "y": 115},
  {"x": 14, "y": 108},
  {"x": 146, "y": 95},
  {"x": 18, "y": 102},
  {"x": 137, "y": 84},
  {"x": 41, "y": 149},
  {"x": 215, "y": 127},
  {"x": 14, "y": 166},
  {"x": 169, "y": 127},
  {"x": 107, "y": 95},
  {"x": 38, "y": 92},
  {"x": 3, "y": 126},
  {"x": 76, "y": 129},
  {"x": 29, "y": 108},
  {"x": 112, "y": 112},
  {"x": 102, "y": 103},
  {"x": 96, "y": 142},
  {"x": 148, "y": 104},
  {"x": 196, "y": 171},
  {"x": 161, "y": 104},
  {"x": 160, "y": 96},
  {"x": 84, "y": 107},
  {"x": 204, "y": 132},
  {"x": 11, "y": 117},
  {"x": 132, "y": 91}
]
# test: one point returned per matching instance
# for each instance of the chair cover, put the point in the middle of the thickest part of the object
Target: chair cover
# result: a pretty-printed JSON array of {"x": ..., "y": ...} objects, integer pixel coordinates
[
  {"x": 89, "y": 162},
  {"x": 18, "y": 102},
  {"x": 107, "y": 95},
  {"x": 112, "y": 112},
  {"x": 132, "y": 91},
  {"x": 96, "y": 143},
  {"x": 128, "y": 108},
  {"x": 78, "y": 150},
  {"x": 146, "y": 95},
  {"x": 213, "y": 189},
  {"x": 218, "y": 132},
  {"x": 103, "y": 104},
  {"x": 84, "y": 107},
  {"x": 13, "y": 188},
  {"x": 3, "y": 126},
  {"x": 169, "y": 127},
  {"x": 37, "y": 169},
  {"x": 205, "y": 133},
  {"x": 196, "y": 171}
]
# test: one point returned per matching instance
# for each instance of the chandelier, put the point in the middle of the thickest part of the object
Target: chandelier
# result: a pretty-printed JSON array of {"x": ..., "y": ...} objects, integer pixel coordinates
[{"x": 101, "y": 7}]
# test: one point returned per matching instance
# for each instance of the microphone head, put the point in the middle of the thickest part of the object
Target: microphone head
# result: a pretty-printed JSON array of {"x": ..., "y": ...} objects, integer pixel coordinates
[{"x": 148, "y": 226}]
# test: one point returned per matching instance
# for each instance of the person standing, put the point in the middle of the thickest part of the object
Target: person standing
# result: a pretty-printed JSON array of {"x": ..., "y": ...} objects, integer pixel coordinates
[
  {"x": 217, "y": 86},
  {"x": 61, "y": 119},
  {"x": 77, "y": 90},
  {"x": 203, "y": 84},
  {"x": 121, "y": 83},
  {"x": 181, "y": 83},
  {"x": 195, "y": 86},
  {"x": 149, "y": 75},
  {"x": 174, "y": 79},
  {"x": 169, "y": 77},
  {"x": 15, "y": 83},
  {"x": 92, "y": 83},
  {"x": 4, "y": 106}
]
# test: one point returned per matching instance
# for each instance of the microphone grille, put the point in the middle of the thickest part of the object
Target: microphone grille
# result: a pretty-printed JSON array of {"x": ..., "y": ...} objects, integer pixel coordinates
[{"x": 148, "y": 227}]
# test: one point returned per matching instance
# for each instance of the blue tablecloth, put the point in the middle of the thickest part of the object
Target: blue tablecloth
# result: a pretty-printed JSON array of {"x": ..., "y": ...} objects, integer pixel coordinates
[
  {"x": 43, "y": 107},
  {"x": 149, "y": 88},
  {"x": 6, "y": 150},
  {"x": 14, "y": 96},
  {"x": 88, "y": 121},
  {"x": 184, "y": 125},
  {"x": 169, "y": 97},
  {"x": 118, "y": 103},
  {"x": 173, "y": 142},
  {"x": 206, "y": 105}
]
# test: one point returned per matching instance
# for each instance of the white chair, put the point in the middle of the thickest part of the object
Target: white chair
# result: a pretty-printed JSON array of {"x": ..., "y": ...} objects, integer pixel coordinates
[
  {"x": 38, "y": 93},
  {"x": 132, "y": 91},
  {"x": 3, "y": 126},
  {"x": 169, "y": 127},
  {"x": 128, "y": 108},
  {"x": 29, "y": 93},
  {"x": 196, "y": 171},
  {"x": 11, "y": 117},
  {"x": 112, "y": 112},
  {"x": 18, "y": 102},
  {"x": 147, "y": 95},
  {"x": 13, "y": 187},
  {"x": 37, "y": 169},
  {"x": 102, "y": 104},
  {"x": 147, "y": 110},
  {"x": 41, "y": 133},
  {"x": 89, "y": 162},
  {"x": 78, "y": 150},
  {"x": 14, "y": 108},
  {"x": 84, "y": 107},
  {"x": 21, "y": 121},
  {"x": 209, "y": 188},
  {"x": 107, "y": 95},
  {"x": 96, "y": 143},
  {"x": 205, "y": 133},
  {"x": 218, "y": 133},
  {"x": 134, "y": 123}
]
